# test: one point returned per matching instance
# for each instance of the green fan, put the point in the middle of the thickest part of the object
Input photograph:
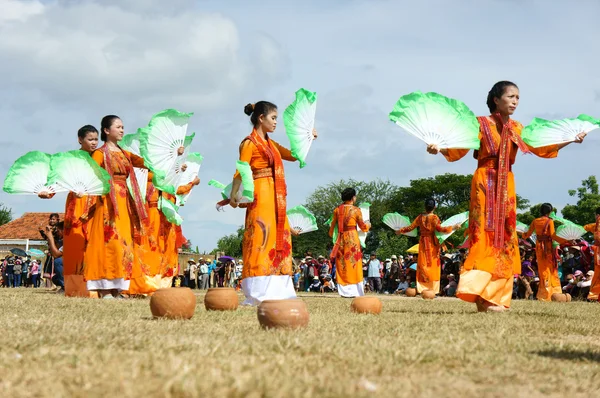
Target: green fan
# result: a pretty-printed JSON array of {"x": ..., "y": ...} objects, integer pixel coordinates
[
  {"x": 522, "y": 227},
  {"x": 245, "y": 193},
  {"x": 131, "y": 143},
  {"x": 397, "y": 221},
  {"x": 170, "y": 211},
  {"x": 159, "y": 145},
  {"x": 437, "y": 120},
  {"x": 302, "y": 220},
  {"x": 29, "y": 175},
  {"x": 299, "y": 120},
  {"x": 193, "y": 163},
  {"x": 77, "y": 172},
  {"x": 543, "y": 132},
  {"x": 460, "y": 218},
  {"x": 335, "y": 229}
]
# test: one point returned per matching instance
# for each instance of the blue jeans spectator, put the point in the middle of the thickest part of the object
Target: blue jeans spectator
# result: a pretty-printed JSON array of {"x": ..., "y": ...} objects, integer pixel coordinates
[
  {"x": 17, "y": 280},
  {"x": 11, "y": 279},
  {"x": 35, "y": 278},
  {"x": 57, "y": 278}
]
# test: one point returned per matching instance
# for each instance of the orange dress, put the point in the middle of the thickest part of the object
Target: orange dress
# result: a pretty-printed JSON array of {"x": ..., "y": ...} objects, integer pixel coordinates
[
  {"x": 546, "y": 262},
  {"x": 117, "y": 221},
  {"x": 74, "y": 244},
  {"x": 429, "y": 267},
  {"x": 494, "y": 258},
  {"x": 347, "y": 251},
  {"x": 594, "y": 228},
  {"x": 267, "y": 242}
]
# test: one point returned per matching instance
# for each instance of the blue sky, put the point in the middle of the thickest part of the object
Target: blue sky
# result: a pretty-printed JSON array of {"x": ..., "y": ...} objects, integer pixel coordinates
[{"x": 65, "y": 64}]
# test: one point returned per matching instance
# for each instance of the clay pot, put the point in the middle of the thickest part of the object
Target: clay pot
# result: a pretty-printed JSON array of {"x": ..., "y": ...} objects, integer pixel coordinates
[
  {"x": 428, "y": 294},
  {"x": 366, "y": 305},
  {"x": 411, "y": 292},
  {"x": 561, "y": 297},
  {"x": 221, "y": 299},
  {"x": 173, "y": 303},
  {"x": 290, "y": 314}
]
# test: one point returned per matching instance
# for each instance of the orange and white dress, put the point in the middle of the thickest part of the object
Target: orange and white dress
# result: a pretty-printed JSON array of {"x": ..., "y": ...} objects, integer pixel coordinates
[{"x": 594, "y": 228}]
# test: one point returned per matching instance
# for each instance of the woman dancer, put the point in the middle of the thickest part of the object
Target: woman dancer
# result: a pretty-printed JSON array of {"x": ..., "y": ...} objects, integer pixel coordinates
[
  {"x": 117, "y": 217},
  {"x": 428, "y": 263},
  {"x": 494, "y": 255},
  {"x": 267, "y": 244},
  {"x": 594, "y": 228},
  {"x": 347, "y": 251}
]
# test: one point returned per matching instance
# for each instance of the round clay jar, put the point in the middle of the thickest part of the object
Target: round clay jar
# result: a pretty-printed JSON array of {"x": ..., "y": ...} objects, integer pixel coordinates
[
  {"x": 366, "y": 305},
  {"x": 411, "y": 292},
  {"x": 428, "y": 294},
  {"x": 221, "y": 299},
  {"x": 173, "y": 303},
  {"x": 288, "y": 314}
]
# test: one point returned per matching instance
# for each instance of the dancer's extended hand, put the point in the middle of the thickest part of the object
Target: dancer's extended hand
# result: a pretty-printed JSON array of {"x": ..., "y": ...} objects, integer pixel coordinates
[
  {"x": 433, "y": 149},
  {"x": 294, "y": 232},
  {"x": 315, "y": 134},
  {"x": 196, "y": 181},
  {"x": 580, "y": 137},
  {"x": 180, "y": 151}
]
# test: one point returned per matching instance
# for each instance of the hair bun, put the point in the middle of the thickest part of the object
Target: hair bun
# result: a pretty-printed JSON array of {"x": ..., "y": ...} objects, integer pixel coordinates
[{"x": 248, "y": 109}]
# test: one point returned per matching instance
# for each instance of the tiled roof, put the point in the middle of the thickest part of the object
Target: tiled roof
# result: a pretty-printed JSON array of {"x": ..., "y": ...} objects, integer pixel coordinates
[{"x": 26, "y": 227}]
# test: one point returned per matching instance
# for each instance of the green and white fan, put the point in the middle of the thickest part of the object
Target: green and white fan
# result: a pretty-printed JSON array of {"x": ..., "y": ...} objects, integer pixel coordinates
[
  {"x": 437, "y": 120},
  {"x": 77, "y": 172},
  {"x": 366, "y": 215},
  {"x": 522, "y": 227},
  {"x": 397, "y": 221},
  {"x": 131, "y": 143},
  {"x": 570, "y": 231},
  {"x": 193, "y": 163},
  {"x": 460, "y": 218},
  {"x": 543, "y": 132},
  {"x": 335, "y": 229},
  {"x": 302, "y": 220},
  {"x": 170, "y": 211},
  {"x": 299, "y": 120},
  {"x": 245, "y": 193},
  {"x": 533, "y": 238},
  {"x": 29, "y": 175},
  {"x": 159, "y": 144}
]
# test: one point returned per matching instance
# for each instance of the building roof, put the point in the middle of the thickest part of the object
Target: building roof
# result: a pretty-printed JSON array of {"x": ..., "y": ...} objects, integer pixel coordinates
[{"x": 26, "y": 227}]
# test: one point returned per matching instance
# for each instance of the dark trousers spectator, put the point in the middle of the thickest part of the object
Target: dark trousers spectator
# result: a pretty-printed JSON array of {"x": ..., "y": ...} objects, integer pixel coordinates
[
  {"x": 57, "y": 278},
  {"x": 375, "y": 284},
  {"x": 10, "y": 280},
  {"x": 35, "y": 280},
  {"x": 17, "y": 280}
]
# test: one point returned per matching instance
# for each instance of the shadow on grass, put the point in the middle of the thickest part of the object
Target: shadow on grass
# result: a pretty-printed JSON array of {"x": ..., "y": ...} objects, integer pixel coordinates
[
  {"x": 430, "y": 312},
  {"x": 570, "y": 354}
]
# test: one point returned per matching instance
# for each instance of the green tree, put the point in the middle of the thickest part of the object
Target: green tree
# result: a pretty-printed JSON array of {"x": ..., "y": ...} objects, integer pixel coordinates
[
  {"x": 588, "y": 200},
  {"x": 5, "y": 214},
  {"x": 231, "y": 245}
]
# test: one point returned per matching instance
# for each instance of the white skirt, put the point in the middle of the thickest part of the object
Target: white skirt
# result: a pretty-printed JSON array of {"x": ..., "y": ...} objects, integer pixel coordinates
[
  {"x": 355, "y": 290},
  {"x": 108, "y": 284},
  {"x": 260, "y": 288}
]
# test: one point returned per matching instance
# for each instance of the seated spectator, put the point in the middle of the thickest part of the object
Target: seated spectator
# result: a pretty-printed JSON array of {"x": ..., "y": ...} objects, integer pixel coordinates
[
  {"x": 450, "y": 288},
  {"x": 316, "y": 285},
  {"x": 55, "y": 248},
  {"x": 328, "y": 285},
  {"x": 402, "y": 285},
  {"x": 585, "y": 284}
]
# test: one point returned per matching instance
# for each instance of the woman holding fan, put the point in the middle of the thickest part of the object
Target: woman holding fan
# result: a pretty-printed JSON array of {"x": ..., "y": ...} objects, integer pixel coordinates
[
  {"x": 267, "y": 245},
  {"x": 494, "y": 255}
]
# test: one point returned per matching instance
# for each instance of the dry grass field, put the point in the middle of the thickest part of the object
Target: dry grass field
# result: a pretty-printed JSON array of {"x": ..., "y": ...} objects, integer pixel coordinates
[{"x": 54, "y": 346}]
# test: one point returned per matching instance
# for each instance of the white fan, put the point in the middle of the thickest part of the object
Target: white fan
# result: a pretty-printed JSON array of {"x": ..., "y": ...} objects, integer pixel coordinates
[
  {"x": 522, "y": 227},
  {"x": 549, "y": 132},
  {"x": 245, "y": 193},
  {"x": 437, "y": 120},
  {"x": 193, "y": 163},
  {"x": 397, "y": 221},
  {"x": 366, "y": 215},
  {"x": 302, "y": 220},
  {"x": 533, "y": 238},
  {"x": 131, "y": 143},
  {"x": 141, "y": 176},
  {"x": 170, "y": 211},
  {"x": 299, "y": 120},
  {"x": 159, "y": 144},
  {"x": 570, "y": 231},
  {"x": 29, "y": 175},
  {"x": 77, "y": 172},
  {"x": 460, "y": 218}
]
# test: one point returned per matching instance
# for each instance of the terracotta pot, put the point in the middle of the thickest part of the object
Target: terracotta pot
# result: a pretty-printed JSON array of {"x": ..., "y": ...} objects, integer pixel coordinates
[
  {"x": 173, "y": 303},
  {"x": 561, "y": 297},
  {"x": 428, "y": 294},
  {"x": 221, "y": 299},
  {"x": 411, "y": 292},
  {"x": 291, "y": 314},
  {"x": 366, "y": 305}
]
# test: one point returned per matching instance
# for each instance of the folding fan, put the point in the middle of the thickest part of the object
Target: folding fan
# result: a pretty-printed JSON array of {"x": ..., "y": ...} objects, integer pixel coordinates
[
  {"x": 170, "y": 211},
  {"x": 460, "y": 218},
  {"x": 570, "y": 231},
  {"x": 193, "y": 162},
  {"x": 131, "y": 143},
  {"x": 245, "y": 193},
  {"x": 335, "y": 229},
  {"x": 299, "y": 120},
  {"x": 302, "y": 220},
  {"x": 397, "y": 221},
  {"x": 159, "y": 144},
  {"x": 77, "y": 172},
  {"x": 548, "y": 132},
  {"x": 437, "y": 120},
  {"x": 522, "y": 227},
  {"x": 533, "y": 238},
  {"x": 29, "y": 175},
  {"x": 366, "y": 215}
]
